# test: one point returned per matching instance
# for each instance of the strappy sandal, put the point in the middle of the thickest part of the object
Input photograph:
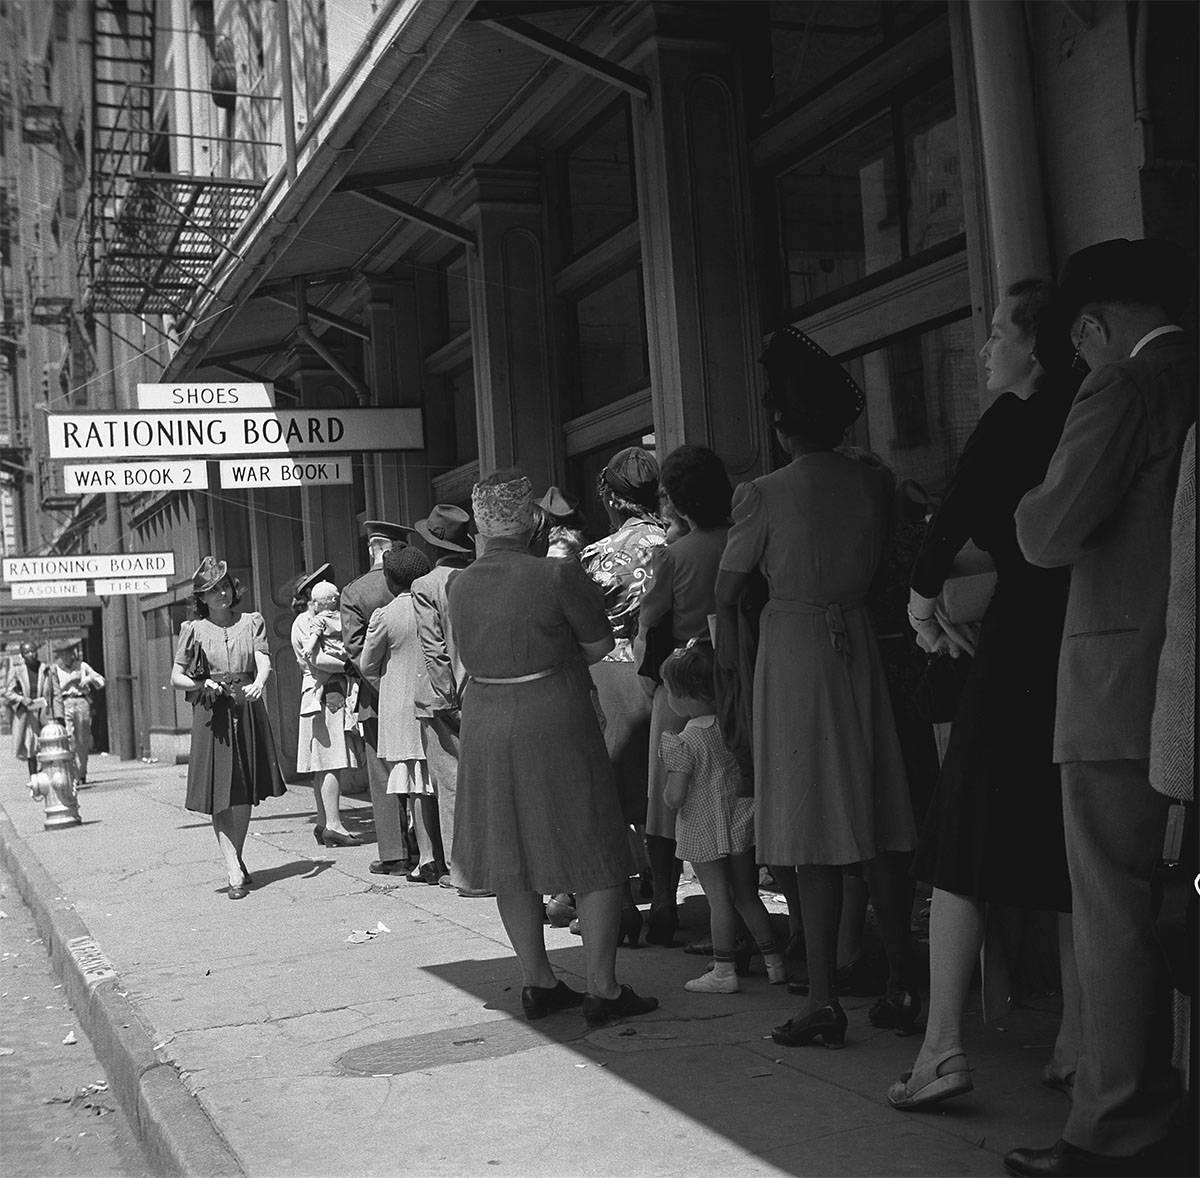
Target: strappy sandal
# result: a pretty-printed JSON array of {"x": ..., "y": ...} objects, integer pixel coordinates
[{"x": 915, "y": 1090}]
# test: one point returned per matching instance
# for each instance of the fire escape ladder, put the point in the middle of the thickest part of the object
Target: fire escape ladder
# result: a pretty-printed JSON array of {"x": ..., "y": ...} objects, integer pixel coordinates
[{"x": 171, "y": 181}]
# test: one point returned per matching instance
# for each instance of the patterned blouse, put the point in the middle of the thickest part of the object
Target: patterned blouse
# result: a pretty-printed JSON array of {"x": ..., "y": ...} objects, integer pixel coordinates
[{"x": 620, "y": 565}]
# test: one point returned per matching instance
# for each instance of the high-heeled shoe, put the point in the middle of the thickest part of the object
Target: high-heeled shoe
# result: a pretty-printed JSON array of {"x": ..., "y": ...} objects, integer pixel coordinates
[
  {"x": 660, "y": 927},
  {"x": 898, "y": 1010},
  {"x": 238, "y": 891},
  {"x": 539, "y": 1001},
  {"x": 828, "y": 1023},
  {"x": 318, "y": 831},
  {"x": 920, "y": 1089},
  {"x": 560, "y": 910},
  {"x": 631, "y": 926},
  {"x": 335, "y": 838}
]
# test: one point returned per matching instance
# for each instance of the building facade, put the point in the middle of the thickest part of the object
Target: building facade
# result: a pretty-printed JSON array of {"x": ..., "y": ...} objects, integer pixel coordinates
[{"x": 556, "y": 228}]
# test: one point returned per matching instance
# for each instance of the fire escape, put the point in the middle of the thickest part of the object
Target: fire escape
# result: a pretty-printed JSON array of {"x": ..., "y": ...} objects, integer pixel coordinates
[{"x": 171, "y": 182}]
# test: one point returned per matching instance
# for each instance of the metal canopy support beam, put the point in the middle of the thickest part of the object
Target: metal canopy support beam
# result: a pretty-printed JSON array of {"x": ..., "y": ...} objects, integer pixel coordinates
[
  {"x": 429, "y": 220},
  {"x": 564, "y": 51},
  {"x": 355, "y": 183},
  {"x": 346, "y": 325}
]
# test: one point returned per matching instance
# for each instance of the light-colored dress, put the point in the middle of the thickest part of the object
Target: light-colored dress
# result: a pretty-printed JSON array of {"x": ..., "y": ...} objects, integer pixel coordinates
[
  {"x": 713, "y": 821},
  {"x": 620, "y": 565},
  {"x": 682, "y": 587},
  {"x": 537, "y": 808},
  {"x": 392, "y": 660},
  {"x": 329, "y": 738},
  {"x": 829, "y": 777}
]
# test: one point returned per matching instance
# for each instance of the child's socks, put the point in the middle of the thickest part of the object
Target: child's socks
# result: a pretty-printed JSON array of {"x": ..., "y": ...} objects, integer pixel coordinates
[{"x": 721, "y": 979}]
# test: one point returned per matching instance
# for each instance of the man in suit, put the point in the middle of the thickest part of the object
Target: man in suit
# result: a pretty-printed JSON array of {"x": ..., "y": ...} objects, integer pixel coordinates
[
  {"x": 32, "y": 696},
  {"x": 447, "y": 532},
  {"x": 1105, "y": 510},
  {"x": 360, "y": 599}
]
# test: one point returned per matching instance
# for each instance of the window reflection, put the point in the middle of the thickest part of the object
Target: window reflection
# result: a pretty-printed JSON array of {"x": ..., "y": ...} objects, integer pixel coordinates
[
  {"x": 856, "y": 207},
  {"x": 922, "y": 401},
  {"x": 610, "y": 332}
]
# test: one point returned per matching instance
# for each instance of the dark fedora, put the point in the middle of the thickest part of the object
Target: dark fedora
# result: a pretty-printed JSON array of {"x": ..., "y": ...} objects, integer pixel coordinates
[
  {"x": 389, "y": 531},
  {"x": 209, "y": 575},
  {"x": 1148, "y": 272},
  {"x": 306, "y": 581},
  {"x": 563, "y": 509},
  {"x": 807, "y": 385},
  {"x": 446, "y": 526}
]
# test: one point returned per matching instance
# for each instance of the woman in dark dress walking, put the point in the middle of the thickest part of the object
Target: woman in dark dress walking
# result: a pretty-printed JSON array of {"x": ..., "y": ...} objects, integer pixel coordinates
[
  {"x": 994, "y": 833},
  {"x": 222, "y": 663}
]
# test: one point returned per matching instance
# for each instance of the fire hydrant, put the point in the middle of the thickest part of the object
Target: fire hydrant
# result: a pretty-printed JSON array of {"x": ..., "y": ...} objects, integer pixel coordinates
[{"x": 55, "y": 780}]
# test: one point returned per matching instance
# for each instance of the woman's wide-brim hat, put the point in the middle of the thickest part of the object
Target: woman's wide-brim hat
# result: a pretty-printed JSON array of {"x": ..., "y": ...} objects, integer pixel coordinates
[
  {"x": 306, "y": 581},
  {"x": 209, "y": 575},
  {"x": 447, "y": 527},
  {"x": 563, "y": 509},
  {"x": 816, "y": 389}
]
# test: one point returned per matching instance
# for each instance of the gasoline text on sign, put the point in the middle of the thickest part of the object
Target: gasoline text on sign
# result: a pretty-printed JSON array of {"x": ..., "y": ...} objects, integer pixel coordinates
[{"x": 25, "y": 590}]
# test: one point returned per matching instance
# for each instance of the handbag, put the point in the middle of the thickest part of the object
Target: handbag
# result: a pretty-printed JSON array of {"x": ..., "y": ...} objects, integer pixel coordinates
[
  {"x": 968, "y": 588},
  {"x": 196, "y": 667}
]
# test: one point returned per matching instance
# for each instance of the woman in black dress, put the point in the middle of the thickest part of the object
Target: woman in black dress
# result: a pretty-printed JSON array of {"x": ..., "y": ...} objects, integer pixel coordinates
[{"x": 994, "y": 833}]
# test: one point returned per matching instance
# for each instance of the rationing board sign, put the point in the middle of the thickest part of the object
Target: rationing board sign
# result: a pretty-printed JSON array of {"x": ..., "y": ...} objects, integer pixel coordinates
[
  {"x": 286, "y": 472},
  {"x": 111, "y": 564},
  {"x": 135, "y": 476},
  {"x": 36, "y": 620},
  {"x": 213, "y": 433}
]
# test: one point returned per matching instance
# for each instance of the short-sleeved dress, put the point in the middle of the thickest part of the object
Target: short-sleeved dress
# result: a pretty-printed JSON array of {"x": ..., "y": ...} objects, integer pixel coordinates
[
  {"x": 537, "y": 807},
  {"x": 713, "y": 821},
  {"x": 232, "y": 761},
  {"x": 995, "y": 825},
  {"x": 829, "y": 776},
  {"x": 620, "y": 565},
  {"x": 683, "y": 578}
]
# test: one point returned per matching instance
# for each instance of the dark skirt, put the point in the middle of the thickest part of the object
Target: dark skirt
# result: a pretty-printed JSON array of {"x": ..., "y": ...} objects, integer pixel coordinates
[
  {"x": 232, "y": 760},
  {"x": 627, "y": 713},
  {"x": 995, "y": 825}
]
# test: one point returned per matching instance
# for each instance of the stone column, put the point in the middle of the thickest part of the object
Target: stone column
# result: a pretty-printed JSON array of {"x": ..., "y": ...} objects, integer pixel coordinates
[
  {"x": 694, "y": 210},
  {"x": 516, "y": 409}
]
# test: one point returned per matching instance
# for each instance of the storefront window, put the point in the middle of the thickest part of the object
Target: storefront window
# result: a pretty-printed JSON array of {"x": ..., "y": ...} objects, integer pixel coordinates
[
  {"x": 886, "y": 191},
  {"x": 922, "y": 400},
  {"x": 599, "y": 181},
  {"x": 611, "y": 351}
]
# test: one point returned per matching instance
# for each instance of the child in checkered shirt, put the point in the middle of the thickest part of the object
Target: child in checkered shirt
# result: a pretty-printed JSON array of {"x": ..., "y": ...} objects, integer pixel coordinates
[{"x": 714, "y": 827}]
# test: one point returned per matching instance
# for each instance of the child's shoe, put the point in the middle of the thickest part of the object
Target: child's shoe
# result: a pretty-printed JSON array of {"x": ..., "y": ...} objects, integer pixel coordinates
[{"x": 714, "y": 983}]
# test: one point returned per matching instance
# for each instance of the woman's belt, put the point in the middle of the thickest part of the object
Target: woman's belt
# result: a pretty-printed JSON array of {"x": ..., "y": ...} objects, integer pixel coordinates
[
  {"x": 524, "y": 678},
  {"x": 833, "y": 611}
]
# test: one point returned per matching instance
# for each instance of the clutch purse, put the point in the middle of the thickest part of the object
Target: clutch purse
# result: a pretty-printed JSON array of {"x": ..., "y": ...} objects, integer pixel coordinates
[{"x": 968, "y": 588}]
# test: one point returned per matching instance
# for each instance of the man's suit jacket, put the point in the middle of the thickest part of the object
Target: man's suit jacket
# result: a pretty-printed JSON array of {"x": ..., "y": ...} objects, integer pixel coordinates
[
  {"x": 360, "y": 599},
  {"x": 1105, "y": 510},
  {"x": 447, "y": 675},
  {"x": 27, "y": 721},
  {"x": 391, "y": 660}
]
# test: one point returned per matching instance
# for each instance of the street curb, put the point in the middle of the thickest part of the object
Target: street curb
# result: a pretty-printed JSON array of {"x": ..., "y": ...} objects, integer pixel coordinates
[{"x": 174, "y": 1131}]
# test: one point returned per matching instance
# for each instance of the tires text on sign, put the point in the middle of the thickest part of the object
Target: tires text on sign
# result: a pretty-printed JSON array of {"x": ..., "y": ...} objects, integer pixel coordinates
[
  {"x": 205, "y": 396},
  {"x": 211, "y": 433},
  {"x": 286, "y": 472},
  {"x": 24, "y": 590},
  {"x": 135, "y": 476},
  {"x": 35, "y": 621},
  {"x": 128, "y": 585},
  {"x": 111, "y": 564}
]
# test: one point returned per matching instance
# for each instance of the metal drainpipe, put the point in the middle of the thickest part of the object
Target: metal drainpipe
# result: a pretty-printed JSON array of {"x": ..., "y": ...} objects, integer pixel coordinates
[
  {"x": 285, "y": 79},
  {"x": 305, "y": 334}
]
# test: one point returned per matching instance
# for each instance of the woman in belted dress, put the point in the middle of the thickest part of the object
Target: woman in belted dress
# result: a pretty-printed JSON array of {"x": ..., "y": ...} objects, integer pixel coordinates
[
  {"x": 537, "y": 807},
  {"x": 829, "y": 778},
  {"x": 222, "y": 662}
]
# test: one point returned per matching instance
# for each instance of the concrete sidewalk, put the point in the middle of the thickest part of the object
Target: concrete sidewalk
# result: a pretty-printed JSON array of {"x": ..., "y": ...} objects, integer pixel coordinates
[{"x": 252, "y": 1037}]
